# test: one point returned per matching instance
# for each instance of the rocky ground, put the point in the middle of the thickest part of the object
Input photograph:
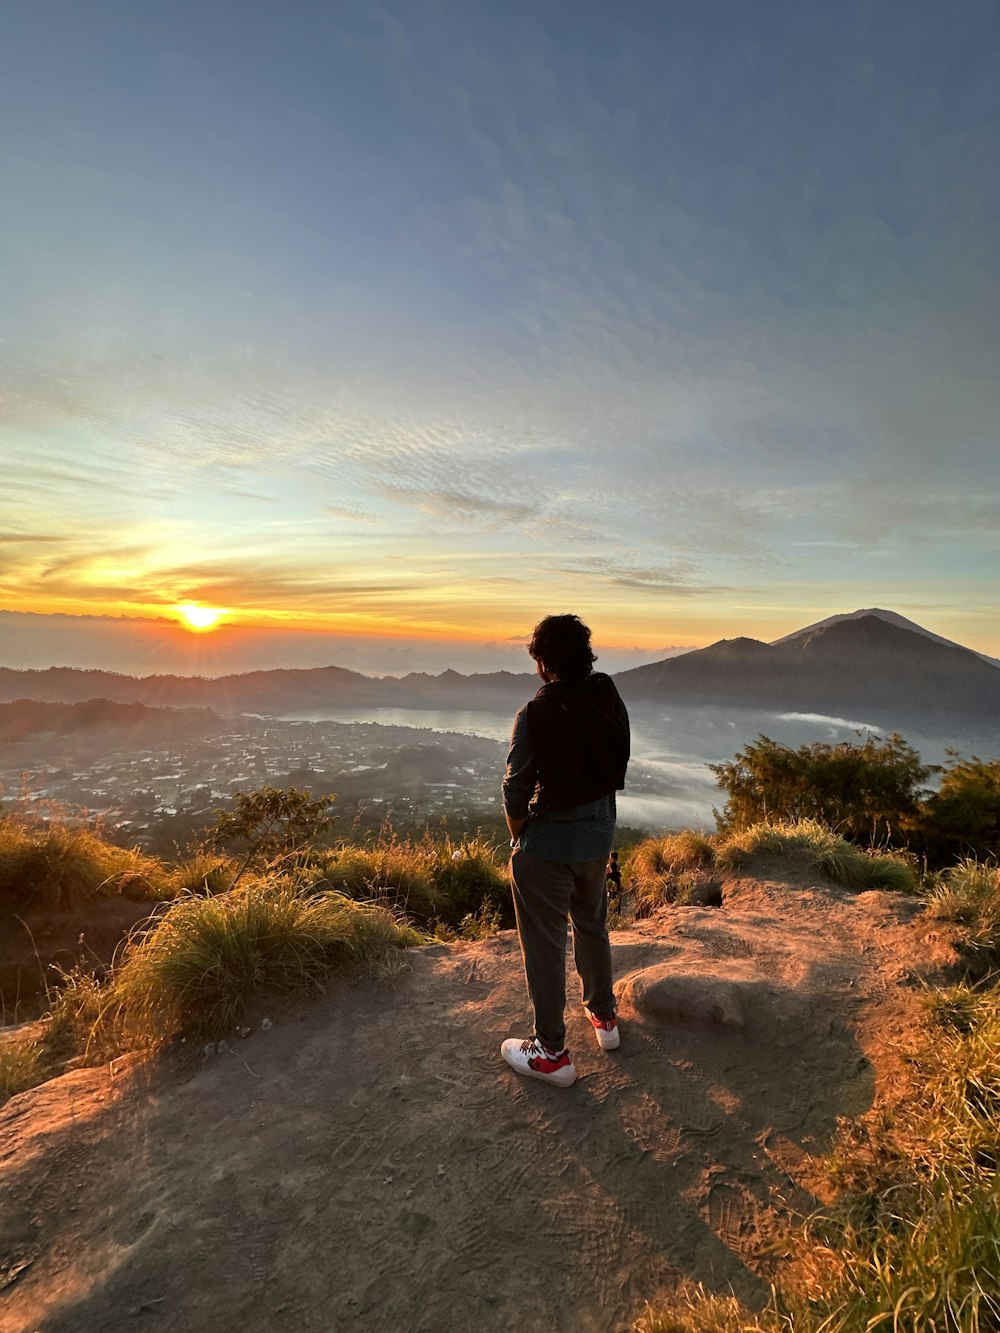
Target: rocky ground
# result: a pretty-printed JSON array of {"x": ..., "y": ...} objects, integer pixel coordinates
[{"x": 368, "y": 1162}]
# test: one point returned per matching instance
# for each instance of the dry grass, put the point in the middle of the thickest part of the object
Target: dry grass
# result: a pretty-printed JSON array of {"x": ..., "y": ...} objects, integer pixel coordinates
[
  {"x": 655, "y": 870},
  {"x": 22, "y": 1066},
  {"x": 431, "y": 880},
  {"x": 969, "y": 894},
  {"x": 821, "y": 850},
  {"x": 56, "y": 867},
  {"x": 195, "y": 972}
]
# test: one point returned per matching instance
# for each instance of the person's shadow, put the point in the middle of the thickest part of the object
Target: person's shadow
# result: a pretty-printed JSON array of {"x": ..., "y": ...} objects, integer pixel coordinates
[{"x": 708, "y": 1138}]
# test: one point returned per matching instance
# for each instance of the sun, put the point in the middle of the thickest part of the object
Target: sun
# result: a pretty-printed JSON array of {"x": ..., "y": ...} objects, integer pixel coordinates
[{"x": 197, "y": 617}]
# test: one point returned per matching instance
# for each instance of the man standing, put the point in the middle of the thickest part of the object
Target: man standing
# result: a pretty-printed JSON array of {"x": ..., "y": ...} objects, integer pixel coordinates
[{"x": 568, "y": 753}]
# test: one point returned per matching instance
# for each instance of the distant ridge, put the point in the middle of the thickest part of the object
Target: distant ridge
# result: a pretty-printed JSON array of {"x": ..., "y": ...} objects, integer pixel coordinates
[
  {"x": 285, "y": 690},
  {"x": 862, "y": 660}
]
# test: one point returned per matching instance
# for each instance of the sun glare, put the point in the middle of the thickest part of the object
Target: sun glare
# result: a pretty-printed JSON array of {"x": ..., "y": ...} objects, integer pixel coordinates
[{"x": 199, "y": 617}]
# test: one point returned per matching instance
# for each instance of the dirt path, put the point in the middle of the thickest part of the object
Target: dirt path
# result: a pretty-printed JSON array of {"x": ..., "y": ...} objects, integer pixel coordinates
[{"x": 369, "y": 1163}]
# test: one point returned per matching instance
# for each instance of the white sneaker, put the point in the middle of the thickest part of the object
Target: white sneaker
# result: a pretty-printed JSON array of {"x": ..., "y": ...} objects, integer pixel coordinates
[
  {"x": 606, "y": 1031},
  {"x": 531, "y": 1058}
]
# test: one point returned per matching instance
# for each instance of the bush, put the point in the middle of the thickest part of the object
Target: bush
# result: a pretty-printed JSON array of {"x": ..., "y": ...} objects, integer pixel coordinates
[
  {"x": 870, "y": 793},
  {"x": 273, "y": 821},
  {"x": 962, "y": 818},
  {"x": 56, "y": 867}
]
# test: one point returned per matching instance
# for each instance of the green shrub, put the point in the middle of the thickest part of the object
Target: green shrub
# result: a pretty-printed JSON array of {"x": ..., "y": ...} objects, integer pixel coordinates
[
  {"x": 962, "y": 817},
  {"x": 478, "y": 925},
  {"x": 869, "y": 792}
]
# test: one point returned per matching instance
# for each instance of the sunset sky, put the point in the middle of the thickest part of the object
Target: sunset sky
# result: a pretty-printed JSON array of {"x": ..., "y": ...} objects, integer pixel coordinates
[{"x": 415, "y": 320}]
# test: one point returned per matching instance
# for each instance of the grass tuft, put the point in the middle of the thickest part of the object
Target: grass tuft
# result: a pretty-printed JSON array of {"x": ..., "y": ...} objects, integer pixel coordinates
[
  {"x": 56, "y": 867},
  {"x": 203, "y": 873},
  {"x": 969, "y": 895},
  {"x": 697, "y": 1311},
  {"x": 21, "y": 1067},
  {"x": 656, "y": 868},
  {"x": 205, "y": 958},
  {"x": 430, "y": 880},
  {"x": 823, "y": 850}
]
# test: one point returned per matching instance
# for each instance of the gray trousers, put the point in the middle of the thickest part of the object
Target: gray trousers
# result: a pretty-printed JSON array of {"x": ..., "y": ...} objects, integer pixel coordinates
[{"x": 545, "y": 894}]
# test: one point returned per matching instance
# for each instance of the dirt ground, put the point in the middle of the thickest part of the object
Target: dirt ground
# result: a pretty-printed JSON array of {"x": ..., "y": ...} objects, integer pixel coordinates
[{"x": 368, "y": 1162}]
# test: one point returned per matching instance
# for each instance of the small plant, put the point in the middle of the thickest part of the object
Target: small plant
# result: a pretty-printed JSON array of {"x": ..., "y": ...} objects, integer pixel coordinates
[
  {"x": 21, "y": 1067},
  {"x": 478, "y": 925},
  {"x": 272, "y": 823}
]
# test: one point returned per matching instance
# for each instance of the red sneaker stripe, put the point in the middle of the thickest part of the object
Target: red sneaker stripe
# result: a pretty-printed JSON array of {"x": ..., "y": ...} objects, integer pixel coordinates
[{"x": 543, "y": 1065}]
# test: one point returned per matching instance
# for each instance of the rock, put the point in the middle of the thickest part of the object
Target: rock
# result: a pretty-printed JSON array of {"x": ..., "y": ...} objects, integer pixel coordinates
[
  {"x": 737, "y": 998},
  {"x": 265, "y": 1025}
]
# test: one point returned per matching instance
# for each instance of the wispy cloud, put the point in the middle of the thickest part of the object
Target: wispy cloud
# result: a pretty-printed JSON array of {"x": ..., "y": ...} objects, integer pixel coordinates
[{"x": 680, "y": 309}]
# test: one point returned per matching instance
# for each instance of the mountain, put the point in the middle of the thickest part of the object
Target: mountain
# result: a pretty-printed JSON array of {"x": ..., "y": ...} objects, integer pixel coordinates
[
  {"x": 892, "y": 617},
  {"x": 864, "y": 662}
]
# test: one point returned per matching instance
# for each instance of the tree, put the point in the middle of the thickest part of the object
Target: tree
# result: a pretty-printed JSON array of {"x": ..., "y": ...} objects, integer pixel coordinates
[
  {"x": 272, "y": 823},
  {"x": 869, "y": 793},
  {"x": 962, "y": 818}
]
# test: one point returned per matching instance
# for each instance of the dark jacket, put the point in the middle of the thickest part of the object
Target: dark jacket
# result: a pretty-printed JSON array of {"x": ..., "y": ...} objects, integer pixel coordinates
[{"x": 580, "y": 737}]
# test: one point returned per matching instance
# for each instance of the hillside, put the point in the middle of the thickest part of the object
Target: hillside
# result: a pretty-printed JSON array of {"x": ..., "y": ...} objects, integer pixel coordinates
[
  {"x": 862, "y": 663},
  {"x": 101, "y": 721},
  {"x": 370, "y": 1163}
]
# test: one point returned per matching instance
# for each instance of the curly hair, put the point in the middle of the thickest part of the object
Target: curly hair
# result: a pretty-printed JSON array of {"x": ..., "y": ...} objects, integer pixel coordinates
[{"x": 563, "y": 644}]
